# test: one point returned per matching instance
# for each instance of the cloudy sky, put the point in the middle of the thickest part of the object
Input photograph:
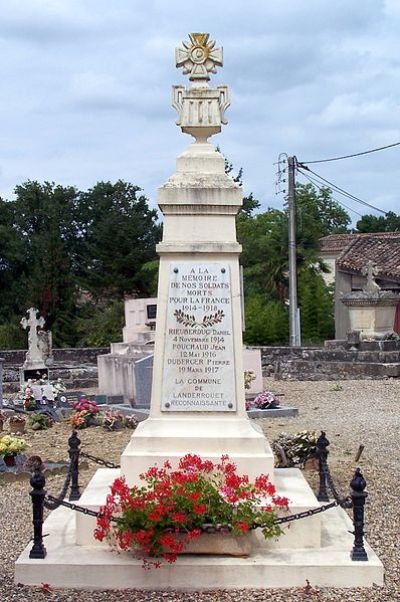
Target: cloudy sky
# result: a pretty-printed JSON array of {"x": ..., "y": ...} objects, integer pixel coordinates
[{"x": 86, "y": 88}]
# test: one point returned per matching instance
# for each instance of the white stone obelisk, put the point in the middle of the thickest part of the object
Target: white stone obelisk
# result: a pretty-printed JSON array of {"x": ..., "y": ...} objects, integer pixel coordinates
[{"x": 198, "y": 400}]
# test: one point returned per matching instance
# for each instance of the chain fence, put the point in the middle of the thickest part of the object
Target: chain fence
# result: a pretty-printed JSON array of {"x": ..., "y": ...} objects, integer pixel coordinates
[{"x": 41, "y": 500}]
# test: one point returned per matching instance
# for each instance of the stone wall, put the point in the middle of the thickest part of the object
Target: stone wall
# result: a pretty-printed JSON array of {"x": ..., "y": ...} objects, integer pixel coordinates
[
  {"x": 81, "y": 355},
  {"x": 337, "y": 360}
]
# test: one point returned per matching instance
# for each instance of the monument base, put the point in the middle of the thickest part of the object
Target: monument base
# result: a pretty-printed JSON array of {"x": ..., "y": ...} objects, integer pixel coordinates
[
  {"x": 156, "y": 440},
  {"x": 315, "y": 548}
]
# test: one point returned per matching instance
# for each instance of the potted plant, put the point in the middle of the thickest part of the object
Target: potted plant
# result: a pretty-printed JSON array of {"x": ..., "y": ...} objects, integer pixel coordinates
[
  {"x": 40, "y": 422},
  {"x": 113, "y": 421},
  {"x": 16, "y": 424},
  {"x": 86, "y": 414},
  {"x": 130, "y": 421},
  {"x": 10, "y": 447},
  {"x": 173, "y": 507}
]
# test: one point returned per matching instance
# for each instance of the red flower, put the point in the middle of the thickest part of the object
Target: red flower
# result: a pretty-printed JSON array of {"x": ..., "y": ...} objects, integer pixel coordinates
[
  {"x": 194, "y": 533},
  {"x": 151, "y": 515},
  {"x": 193, "y": 497},
  {"x": 179, "y": 517},
  {"x": 242, "y": 526}
]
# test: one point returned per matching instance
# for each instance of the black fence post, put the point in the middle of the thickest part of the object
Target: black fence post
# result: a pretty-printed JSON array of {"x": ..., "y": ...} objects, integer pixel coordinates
[
  {"x": 358, "y": 496},
  {"x": 37, "y": 494},
  {"x": 322, "y": 455},
  {"x": 73, "y": 452}
]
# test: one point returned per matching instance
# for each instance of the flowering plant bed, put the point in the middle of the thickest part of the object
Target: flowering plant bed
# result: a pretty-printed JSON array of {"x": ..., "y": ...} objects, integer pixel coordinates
[{"x": 175, "y": 506}]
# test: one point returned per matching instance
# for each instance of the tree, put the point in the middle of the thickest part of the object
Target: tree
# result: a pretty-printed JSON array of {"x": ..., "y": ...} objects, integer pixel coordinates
[
  {"x": 73, "y": 255},
  {"x": 45, "y": 217},
  {"x": 316, "y": 303},
  {"x": 119, "y": 235},
  {"x": 373, "y": 223},
  {"x": 265, "y": 260}
]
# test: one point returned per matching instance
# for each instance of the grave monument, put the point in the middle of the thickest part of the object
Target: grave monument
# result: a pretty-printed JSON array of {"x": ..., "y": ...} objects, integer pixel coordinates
[
  {"x": 118, "y": 370},
  {"x": 39, "y": 352},
  {"x": 372, "y": 310},
  {"x": 198, "y": 398}
]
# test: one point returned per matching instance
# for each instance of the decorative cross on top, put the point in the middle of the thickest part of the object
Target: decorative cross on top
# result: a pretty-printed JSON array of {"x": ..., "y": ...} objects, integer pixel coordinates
[
  {"x": 370, "y": 270},
  {"x": 33, "y": 323},
  {"x": 199, "y": 57}
]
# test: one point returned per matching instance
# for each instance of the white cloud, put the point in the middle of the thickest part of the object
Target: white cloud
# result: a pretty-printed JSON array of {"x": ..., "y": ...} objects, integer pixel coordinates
[{"x": 86, "y": 89}]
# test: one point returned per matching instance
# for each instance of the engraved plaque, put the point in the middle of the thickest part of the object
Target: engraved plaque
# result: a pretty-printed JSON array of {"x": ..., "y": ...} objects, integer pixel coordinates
[{"x": 199, "y": 371}]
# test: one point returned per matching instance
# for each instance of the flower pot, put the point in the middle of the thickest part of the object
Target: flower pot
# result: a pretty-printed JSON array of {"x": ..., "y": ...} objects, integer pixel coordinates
[
  {"x": 9, "y": 460},
  {"x": 219, "y": 544},
  {"x": 16, "y": 427}
]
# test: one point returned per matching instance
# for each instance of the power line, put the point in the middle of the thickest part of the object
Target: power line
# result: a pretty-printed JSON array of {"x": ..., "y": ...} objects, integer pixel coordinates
[
  {"x": 341, "y": 190},
  {"x": 373, "y": 150},
  {"x": 315, "y": 183}
]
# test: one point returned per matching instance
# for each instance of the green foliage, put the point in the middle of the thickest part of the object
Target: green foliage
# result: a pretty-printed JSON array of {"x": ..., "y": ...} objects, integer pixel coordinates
[
  {"x": 265, "y": 261},
  {"x": 266, "y": 321},
  {"x": 372, "y": 223},
  {"x": 148, "y": 275},
  {"x": 99, "y": 325},
  {"x": 316, "y": 303},
  {"x": 119, "y": 235},
  {"x": 11, "y": 335},
  {"x": 72, "y": 255}
]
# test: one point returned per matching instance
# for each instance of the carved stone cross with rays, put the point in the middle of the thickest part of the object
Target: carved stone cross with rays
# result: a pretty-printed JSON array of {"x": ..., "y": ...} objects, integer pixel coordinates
[
  {"x": 370, "y": 270},
  {"x": 34, "y": 354},
  {"x": 199, "y": 57}
]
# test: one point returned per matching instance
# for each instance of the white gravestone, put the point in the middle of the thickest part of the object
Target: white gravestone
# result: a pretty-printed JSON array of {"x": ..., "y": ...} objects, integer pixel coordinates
[
  {"x": 40, "y": 391},
  {"x": 34, "y": 356}
]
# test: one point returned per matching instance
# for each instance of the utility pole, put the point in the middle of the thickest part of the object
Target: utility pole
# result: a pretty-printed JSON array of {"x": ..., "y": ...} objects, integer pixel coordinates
[{"x": 294, "y": 320}]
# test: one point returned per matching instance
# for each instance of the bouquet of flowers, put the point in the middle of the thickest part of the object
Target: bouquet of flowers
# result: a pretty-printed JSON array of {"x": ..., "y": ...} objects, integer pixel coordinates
[
  {"x": 249, "y": 376},
  {"x": 173, "y": 506},
  {"x": 112, "y": 421},
  {"x": 85, "y": 414},
  {"x": 27, "y": 393},
  {"x": 264, "y": 401},
  {"x": 11, "y": 446}
]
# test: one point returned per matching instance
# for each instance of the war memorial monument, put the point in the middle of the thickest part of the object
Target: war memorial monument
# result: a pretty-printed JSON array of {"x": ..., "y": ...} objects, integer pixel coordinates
[{"x": 198, "y": 397}]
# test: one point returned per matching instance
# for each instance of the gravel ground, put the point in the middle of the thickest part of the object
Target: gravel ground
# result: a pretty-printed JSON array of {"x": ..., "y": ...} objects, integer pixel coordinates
[{"x": 360, "y": 412}]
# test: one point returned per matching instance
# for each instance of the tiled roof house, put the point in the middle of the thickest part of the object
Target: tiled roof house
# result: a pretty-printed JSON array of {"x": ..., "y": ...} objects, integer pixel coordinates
[{"x": 347, "y": 254}]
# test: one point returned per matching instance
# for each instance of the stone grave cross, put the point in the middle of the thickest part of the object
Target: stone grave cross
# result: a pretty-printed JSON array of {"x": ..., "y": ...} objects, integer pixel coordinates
[
  {"x": 370, "y": 270},
  {"x": 34, "y": 354}
]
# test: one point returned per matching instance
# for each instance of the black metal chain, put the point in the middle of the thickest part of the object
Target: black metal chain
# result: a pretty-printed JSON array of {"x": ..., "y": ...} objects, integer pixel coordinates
[
  {"x": 78, "y": 508},
  {"x": 344, "y": 502},
  {"x": 55, "y": 502},
  {"x": 99, "y": 460},
  {"x": 304, "y": 514},
  {"x": 206, "y": 528}
]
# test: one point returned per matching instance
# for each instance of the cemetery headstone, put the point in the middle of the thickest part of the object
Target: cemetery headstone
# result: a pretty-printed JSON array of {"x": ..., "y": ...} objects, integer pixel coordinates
[
  {"x": 34, "y": 366},
  {"x": 143, "y": 376}
]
